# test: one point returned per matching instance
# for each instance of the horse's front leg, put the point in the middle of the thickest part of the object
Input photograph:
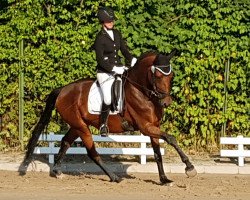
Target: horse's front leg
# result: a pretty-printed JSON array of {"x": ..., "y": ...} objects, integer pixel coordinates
[
  {"x": 154, "y": 132},
  {"x": 190, "y": 170},
  {"x": 158, "y": 159}
]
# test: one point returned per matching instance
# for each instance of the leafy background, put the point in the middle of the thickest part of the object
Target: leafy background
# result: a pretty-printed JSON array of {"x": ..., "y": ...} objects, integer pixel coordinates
[{"x": 213, "y": 36}]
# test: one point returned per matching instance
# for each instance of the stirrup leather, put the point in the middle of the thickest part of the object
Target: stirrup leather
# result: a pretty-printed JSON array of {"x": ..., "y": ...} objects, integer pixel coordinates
[{"x": 104, "y": 130}]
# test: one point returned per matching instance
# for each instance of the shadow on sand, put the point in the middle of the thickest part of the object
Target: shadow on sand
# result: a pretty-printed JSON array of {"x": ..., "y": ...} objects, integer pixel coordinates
[{"x": 76, "y": 165}]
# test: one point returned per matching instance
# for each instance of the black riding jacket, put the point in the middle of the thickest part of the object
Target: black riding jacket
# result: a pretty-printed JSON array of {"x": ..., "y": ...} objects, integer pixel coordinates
[{"x": 107, "y": 50}]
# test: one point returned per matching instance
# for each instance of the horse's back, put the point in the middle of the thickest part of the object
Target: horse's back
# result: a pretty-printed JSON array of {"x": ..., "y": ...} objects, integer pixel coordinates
[
  {"x": 76, "y": 88},
  {"x": 73, "y": 96}
]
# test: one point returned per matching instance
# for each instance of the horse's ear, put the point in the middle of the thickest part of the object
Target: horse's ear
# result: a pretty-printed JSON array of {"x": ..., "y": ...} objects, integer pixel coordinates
[{"x": 174, "y": 52}]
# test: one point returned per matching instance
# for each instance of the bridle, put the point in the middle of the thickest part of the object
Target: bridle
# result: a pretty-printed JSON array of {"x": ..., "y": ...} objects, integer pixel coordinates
[{"x": 155, "y": 92}]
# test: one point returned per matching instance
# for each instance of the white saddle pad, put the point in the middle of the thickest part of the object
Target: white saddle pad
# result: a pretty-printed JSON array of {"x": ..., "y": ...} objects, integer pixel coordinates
[{"x": 95, "y": 100}]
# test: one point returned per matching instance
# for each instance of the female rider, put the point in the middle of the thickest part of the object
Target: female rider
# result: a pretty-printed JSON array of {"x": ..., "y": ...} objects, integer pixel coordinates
[{"x": 107, "y": 44}]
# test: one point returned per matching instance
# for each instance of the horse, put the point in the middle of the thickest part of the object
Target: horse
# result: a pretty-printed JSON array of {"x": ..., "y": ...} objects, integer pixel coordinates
[{"x": 147, "y": 90}]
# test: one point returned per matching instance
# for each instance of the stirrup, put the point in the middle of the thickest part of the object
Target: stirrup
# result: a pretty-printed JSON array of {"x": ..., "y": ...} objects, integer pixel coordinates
[{"x": 104, "y": 130}]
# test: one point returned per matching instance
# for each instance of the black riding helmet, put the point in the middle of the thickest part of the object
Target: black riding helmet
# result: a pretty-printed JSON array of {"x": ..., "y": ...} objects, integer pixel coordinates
[{"x": 105, "y": 14}]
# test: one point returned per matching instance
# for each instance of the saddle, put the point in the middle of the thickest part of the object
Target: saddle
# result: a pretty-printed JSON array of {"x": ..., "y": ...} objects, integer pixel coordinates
[{"x": 95, "y": 98}]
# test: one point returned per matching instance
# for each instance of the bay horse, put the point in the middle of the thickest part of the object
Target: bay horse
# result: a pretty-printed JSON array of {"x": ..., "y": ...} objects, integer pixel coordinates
[{"x": 147, "y": 91}]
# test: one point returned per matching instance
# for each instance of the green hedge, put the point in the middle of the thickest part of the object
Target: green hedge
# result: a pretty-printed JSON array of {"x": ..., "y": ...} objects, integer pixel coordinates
[{"x": 58, "y": 35}]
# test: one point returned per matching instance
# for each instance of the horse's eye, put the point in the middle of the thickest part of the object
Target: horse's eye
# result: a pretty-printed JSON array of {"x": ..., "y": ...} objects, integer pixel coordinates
[{"x": 158, "y": 75}]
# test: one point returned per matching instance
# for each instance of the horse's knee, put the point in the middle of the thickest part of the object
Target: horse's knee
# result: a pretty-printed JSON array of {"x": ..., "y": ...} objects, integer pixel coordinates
[
  {"x": 67, "y": 140},
  {"x": 92, "y": 154},
  {"x": 65, "y": 144},
  {"x": 89, "y": 154},
  {"x": 63, "y": 148}
]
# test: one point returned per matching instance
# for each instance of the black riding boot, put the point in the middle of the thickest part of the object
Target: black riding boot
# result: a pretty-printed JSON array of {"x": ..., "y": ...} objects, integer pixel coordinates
[{"x": 103, "y": 131}]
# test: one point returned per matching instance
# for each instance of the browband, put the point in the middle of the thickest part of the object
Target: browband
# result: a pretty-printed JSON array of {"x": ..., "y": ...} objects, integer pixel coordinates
[{"x": 153, "y": 68}]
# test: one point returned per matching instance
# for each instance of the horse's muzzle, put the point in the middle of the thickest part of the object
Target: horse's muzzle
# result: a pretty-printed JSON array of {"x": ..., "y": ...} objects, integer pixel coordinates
[{"x": 166, "y": 101}]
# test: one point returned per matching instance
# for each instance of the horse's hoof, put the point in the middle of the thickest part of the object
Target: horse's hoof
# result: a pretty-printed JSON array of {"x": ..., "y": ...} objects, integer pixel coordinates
[
  {"x": 191, "y": 172},
  {"x": 116, "y": 179},
  {"x": 170, "y": 184},
  {"x": 22, "y": 172},
  {"x": 166, "y": 181},
  {"x": 57, "y": 173},
  {"x": 59, "y": 176},
  {"x": 23, "y": 168}
]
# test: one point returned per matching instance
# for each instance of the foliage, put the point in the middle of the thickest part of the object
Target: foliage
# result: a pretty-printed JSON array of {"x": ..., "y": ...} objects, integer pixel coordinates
[
  {"x": 58, "y": 36},
  {"x": 218, "y": 33}
]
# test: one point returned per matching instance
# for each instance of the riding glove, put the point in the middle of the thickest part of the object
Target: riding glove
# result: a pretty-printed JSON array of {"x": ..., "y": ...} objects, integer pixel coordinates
[
  {"x": 134, "y": 60},
  {"x": 118, "y": 70}
]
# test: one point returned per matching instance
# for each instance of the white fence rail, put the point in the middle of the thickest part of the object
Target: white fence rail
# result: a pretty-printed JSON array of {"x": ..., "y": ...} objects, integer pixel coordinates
[
  {"x": 141, "y": 151},
  {"x": 241, "y": 153}
]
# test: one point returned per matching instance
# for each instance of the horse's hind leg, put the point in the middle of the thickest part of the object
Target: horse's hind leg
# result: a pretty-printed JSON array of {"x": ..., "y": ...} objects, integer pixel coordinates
[
  {"x": 158, "y": 159},
  {"x": 93, "y": 154},
  {"x": 190, "y": 170},
  {"x": 66, "y": 142}
]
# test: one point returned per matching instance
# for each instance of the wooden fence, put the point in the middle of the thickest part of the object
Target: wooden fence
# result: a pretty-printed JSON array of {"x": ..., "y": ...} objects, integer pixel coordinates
[
  {"x": 240, "y": 152},
  {"x": 141, "y": 151}
]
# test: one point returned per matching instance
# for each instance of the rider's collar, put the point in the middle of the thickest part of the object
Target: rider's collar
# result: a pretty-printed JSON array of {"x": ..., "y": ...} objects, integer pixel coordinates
[{"x": 110, "y": 32}]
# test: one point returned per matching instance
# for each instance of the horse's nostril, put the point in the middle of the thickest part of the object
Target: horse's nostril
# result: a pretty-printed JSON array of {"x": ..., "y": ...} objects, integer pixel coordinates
[{"x": 166, "y": 102}]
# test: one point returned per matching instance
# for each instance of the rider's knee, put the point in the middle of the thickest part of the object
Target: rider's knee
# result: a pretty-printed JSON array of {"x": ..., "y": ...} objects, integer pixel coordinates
[{"x": 107, "y": 99}]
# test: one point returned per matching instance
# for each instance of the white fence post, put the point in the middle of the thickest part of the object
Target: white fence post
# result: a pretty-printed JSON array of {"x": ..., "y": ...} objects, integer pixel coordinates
[
  {"x": 51, "y": 147},
  {"x": 143, "y": 156},
  {"x": 240, "y": 153},
  {"x": 241, "y": 149}
]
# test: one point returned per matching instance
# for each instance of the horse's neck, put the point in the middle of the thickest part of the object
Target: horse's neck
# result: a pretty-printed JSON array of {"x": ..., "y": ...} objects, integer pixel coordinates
[
  {"x": 138, "y": 76},
  {"x": 140, "y": 71}
]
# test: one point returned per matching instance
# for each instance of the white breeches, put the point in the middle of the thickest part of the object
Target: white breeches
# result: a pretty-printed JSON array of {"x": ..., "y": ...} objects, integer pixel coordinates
[{"x": 106, "y": 81}]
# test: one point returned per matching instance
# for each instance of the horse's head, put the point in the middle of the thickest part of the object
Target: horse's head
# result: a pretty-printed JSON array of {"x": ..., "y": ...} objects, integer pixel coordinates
[
  {"x": 161, "y": 76},
  {"x": 154, "y": 73}
]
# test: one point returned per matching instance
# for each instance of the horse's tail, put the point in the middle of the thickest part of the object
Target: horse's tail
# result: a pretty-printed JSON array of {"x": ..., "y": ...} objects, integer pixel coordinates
[{"x": 43, "y": 122}]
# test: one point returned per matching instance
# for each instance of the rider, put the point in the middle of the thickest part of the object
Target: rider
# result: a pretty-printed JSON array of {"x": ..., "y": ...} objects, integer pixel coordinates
[{"x": 107, "y": 44}]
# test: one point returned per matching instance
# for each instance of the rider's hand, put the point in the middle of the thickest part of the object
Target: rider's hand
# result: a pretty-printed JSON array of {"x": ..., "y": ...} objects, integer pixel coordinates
[
  {"x": 125, "y": 68},
  {"x": 118, "y": 70},
  {"x": 134, "y": 60}
]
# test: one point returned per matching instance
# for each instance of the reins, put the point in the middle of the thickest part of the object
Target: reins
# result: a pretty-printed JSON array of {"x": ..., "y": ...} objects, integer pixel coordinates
[{"x": 155, "y": 93}]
